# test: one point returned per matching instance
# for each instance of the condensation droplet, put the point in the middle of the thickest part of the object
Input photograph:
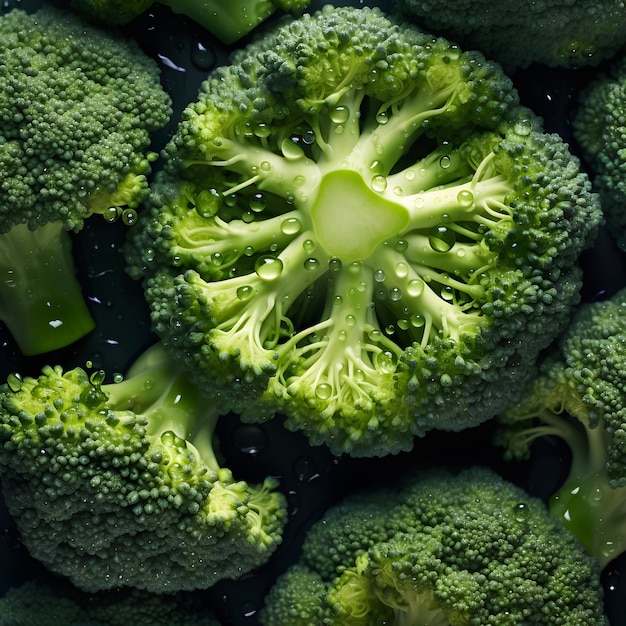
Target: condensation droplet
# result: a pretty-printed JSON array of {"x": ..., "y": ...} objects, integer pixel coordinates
[
  {"x": 379, "y": 276},
  {"x": 523, "y": 127},
  {"x": 442, "y": 239},
  {"x": 445, "y": 162},
  {"x": 339, "y": 114},
  {"x": 311, "y": 264},
  {"x": 415, "y": 287},
  {"x": 334, "y": 265},
  {"x": 258, "y": 202},
  {"x": 395, "y": 294},
  {"x": 379, "y": 183},
  {"x": 268, "y": 267},
  {"x": 244, "y": 292},
  {"x": 323, "y": 391},
  {"x": 465, "y": 198},
  {"x": 291, "y": 226},
  {"x": 402, "y": 269},
  {"x": 129, "y": 217}
]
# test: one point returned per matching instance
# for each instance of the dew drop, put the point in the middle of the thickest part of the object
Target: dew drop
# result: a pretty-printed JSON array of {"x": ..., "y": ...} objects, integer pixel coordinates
[
  {"x": 291, "y": 150},
  {"x": 334, "y": 265},
  {"x": 445, "y": 162},
  {"x": 379, "y": 183},
  {"x": 258, "y": 202},
  {"x": 244, "y": 292},
  {"x": 202, "y": 56},
  {"x": 442, "y": 239},
  {"x": 111, "y": 214},
  {"x": 401, "y": 245},
  {"x": 521, "y": 512},
  {"x": 523, "y": 127},
  {"x": 379, "y": 276},
  {"x": 308, "y": 137},
  {"x": 350, "y": 320},
  {"x": 308, "y": 245},
  {"x": 465, "y": 198},
  {"x": 266, "y": 166},
  {"x": 323, "y": 391},
  {"x": 402, "y": 269},
  {"x": 382, "y": 117},
  {"x": 395, "y": 294},
  {"x": 291, "y": 226},
  {"x": 339, "y": 114},
  {"x": 417, "y": 321},
  {"x": 268, "y": 267},
  {"x": 415, "y": 287},
  {"x": 129, "y": 217},
  {"x": 311, "y": 264}
]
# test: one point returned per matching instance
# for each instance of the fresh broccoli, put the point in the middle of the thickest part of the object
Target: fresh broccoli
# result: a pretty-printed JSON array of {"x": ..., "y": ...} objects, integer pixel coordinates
[
  {"x": 77, "y": 109},
  {"x": 556, "y": 33},
  {"x": 228, "y": 20},
  {"x": 598, "y": 127},
  {"x": 580, "y": 397},
  {"x": 359, "y": 227},
  {"x": 117, "y": 484},
  {"x": 441, "y": 549},
  {"x": 44, "y": 602}
]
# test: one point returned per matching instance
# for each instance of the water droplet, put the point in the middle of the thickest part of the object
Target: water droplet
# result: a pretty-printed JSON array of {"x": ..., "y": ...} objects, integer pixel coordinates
[
  {"x": 334, "y": 265},
  {"x": 401, "y": 245},
  {"x": 308, "y": 137},
  {"x": 262, "y": 130},
  {"x": 379, "y": 276},
  {"x": 447, "y": 293},
  {"x": 248, "y": 217},
  {"x": 339, "y": 114},
  {"x": 442, "y": 239},
  {"x": 402, "y": 269},
  {"x": 465, "y": 198},
  {"x": 291, "y": 226},
  {"x": 311, "y": 263},
  {"x": 521, "y": 512},
  {"x": 417, "y": 321},
  {"x": 338, "y": 300},
  {"x": 409, "y": 174},
  {"x": 129, "y": 217},
  {"x": 266, "y": 166},
  {"x": 402, "y": 324},
  {"x": 268, "y": 267},
  {"x": 350, "y": 320},
  {"x": 382, "y": 117},
  {"x": 111, "y": 214},
  {"x": 418, "y": 203},
  {"x": 323, "y": 391},
  {"x": 379, "y": 183},
  {"x": 523, "y": 127},
  {"x": 390, "y": 329},
  {"x": 291, "y": 150},
  {"x": 445, "y": 162},
  {"x": 308, "y": 245},
  {"x": 415, "y": 287},
  {"x": 202, "y": 56},
  {"x": 258, "y": 202},
  {"x": 244, "y": 292},
  {"x": 395, "y": 294}
]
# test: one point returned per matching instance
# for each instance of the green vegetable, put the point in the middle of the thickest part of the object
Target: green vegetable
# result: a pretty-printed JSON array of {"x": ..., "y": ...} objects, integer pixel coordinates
[
  {"x": 78, "y": 107},
  {"x": 599, "y": 129},
  {"x": 557, "y": 33},
  {"x": 118, "y": 484},
  {"x": 44, "y": 602},
  {"x": 441, "y": 549},
  {"x": 228, "y": 20},
  {"x": 579, "y": 396},
  {"x": 360, "y": 228}
]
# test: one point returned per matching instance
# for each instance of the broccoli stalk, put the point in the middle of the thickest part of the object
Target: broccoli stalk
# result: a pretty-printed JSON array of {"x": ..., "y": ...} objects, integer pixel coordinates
[
  {"x": 228, "y": 21},
  {"x": 41, "y": 301},
  {"x": 578, "y": 398},
  {"x": 362, "y": 237},
  {"x": 146, "y": 504}
]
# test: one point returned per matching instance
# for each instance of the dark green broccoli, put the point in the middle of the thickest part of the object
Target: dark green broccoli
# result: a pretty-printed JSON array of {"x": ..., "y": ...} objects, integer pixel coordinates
[
  {"x": 44, "y": 602},
  {"x": 598, "y": 127},
  {"x": 118, "y": 484},
  {"x": 580, "y": 397},
  {"x": 557, "y": 33},
  {"x": 359, "y": 227},
  {"x": 77, "y": 109},
  {"x": 442, "y": 549},
  {"x": 228, "y": 20}
]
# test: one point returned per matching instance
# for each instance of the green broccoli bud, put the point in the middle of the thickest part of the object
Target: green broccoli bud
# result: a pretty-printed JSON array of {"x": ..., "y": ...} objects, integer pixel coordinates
[
  {"x": 358, "y": 227},
  {"x": 78, "y": 106},
  {"x": 119, "y": 485},
  {"x": 578, "y": 397},
  {"x": 440, "y": 548}
]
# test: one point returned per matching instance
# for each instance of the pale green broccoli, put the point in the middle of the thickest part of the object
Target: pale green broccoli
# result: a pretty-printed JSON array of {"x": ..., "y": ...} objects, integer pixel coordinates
[
  {"x": 118, "y": 484},
  {"x": 580, "y": 397},
  {"x": 78, "y": 107},
  {"x": 228, "y": 20},
  {"x": 358, "y": 226},
  {"x": 51, "y": 602},
  {"x": 598, "y": 127},
  {"x": 556, "y": 33},
  {"x": 443, "y": 549}
]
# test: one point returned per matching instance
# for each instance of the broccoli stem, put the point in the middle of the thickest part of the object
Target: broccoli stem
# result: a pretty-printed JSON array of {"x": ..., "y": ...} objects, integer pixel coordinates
[
  {"x": 155, "y": 388},
  {"x": 41, "y": 301}
]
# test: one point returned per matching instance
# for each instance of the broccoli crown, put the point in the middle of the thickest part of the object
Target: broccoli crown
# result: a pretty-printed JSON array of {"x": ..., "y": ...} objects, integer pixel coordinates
[
  {"x": 40, "y": 602},
  {"x": 78, "y": 109},
  {"x": 441, "y": 548},
  {"x": 228, "y": 21},
  {"x": 359, "y": 227},
  {"x": 598, "y": 127},
  {"x": 117, "y": 484},
  {"x": 517, "y": 34},
  {"x": 578, "y": 396}
]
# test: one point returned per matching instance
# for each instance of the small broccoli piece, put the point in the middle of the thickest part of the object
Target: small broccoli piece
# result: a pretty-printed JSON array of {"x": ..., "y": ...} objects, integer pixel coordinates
[
  {"x": 440, "y": 548},
  {"x": 598, "y": 128},
  {"x": 45, "y": 602},
  {"x": 118, "y": 484},
  {"x": 77, "y": 109},
  {"x": 358, "y": 226},
  {"x": 579, "y": 397},
  {"x": 555, "y": 33},
  {"x": 229, "y": 21}
]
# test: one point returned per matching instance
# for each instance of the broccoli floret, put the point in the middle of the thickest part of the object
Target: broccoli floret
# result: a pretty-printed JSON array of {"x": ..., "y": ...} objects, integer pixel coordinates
[
  {"x": 598, "y": 127},
  {"x": 229, "y": 20},
  {"x": 358, "y": 226},
  {"x": 118, "y": 484},
  {"x": 45, "y": 602},
  {"x": 77, "y": 109},
  {"x": 441, "y": 548},
  {"x": 579, "y": 397},
  {"x": 555, "y": 33}
]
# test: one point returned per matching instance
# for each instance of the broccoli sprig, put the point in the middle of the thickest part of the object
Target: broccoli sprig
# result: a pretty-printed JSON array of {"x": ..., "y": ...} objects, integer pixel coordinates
[
  {"x": 46, "y": 601},
  {"x": 440, "y": 548},
  {"x": 598, "y": 127},
  {"x": 78, "y": 106},
  {"x": 118, "y": 484},
  {"x": 228, "y": 21},
  {"x": 359, "y": 227},
  {"x": 579, "y": 398},
  {"x": 518, "y": 34}
]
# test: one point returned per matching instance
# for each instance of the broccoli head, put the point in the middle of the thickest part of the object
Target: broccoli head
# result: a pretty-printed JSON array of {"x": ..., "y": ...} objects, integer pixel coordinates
[
  {"x": 118, "y": 484},
  {"x": 555, "y": 33},
  {"x": 443, "y": 549},
  {"x": 228, "y": 21},
  {"x": 598, "y": 127},
  {"x": 44, "y": 601},
  {"x": 579, "y": 397},
  {"x": 78, "y": 107},
  {"x": 359, "y": 227}
]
